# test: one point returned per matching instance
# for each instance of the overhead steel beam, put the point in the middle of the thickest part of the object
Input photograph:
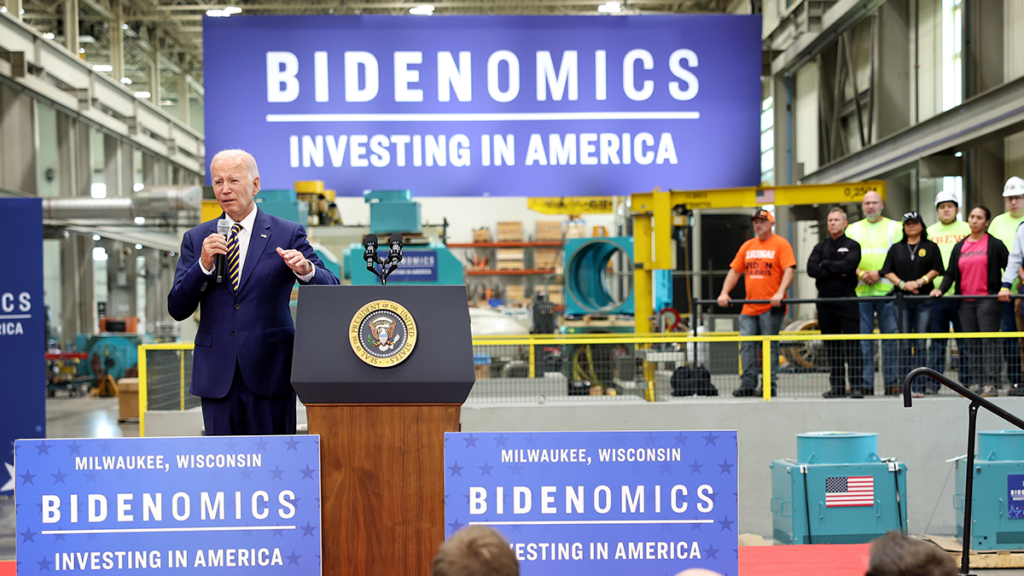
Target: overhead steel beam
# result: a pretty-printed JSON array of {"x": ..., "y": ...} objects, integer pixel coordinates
[
  {"x": 843, "y": 15},
  {"x": 988, "y": 116}
]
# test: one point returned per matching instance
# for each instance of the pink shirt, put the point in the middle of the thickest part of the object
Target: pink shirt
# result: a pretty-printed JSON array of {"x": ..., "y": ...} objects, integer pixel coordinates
[{"x": 974, "y": 267}]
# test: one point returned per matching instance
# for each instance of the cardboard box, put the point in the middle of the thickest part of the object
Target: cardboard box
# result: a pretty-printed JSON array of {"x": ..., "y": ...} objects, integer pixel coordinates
[
  {"x": 128, "y": 399},
  {"x": 482, "y": 371},
  {"x": 514, "y": 293},
  {"x": 482, "y": 235},
  {"x": 547, "y": 258},
  {"x": 549, "y": 231},
  {"x": 510, "y": 231}
]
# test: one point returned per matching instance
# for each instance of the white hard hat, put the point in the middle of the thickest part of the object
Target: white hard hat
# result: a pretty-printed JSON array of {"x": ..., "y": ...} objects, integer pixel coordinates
[
  {"x": 1014, "y": 187},
  {"x": 946, "y": 196}
]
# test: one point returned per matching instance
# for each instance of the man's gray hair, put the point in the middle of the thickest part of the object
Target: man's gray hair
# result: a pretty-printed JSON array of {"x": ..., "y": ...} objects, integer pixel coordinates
[
  {"x": 250, "y": 162},
  {"x": 840, "y": 210}
]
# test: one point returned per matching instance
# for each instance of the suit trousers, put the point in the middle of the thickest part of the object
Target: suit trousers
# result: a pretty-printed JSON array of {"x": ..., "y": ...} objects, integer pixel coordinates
[
  {"x": 843, "y": 355},
  {"x": 243, "y": 412}
]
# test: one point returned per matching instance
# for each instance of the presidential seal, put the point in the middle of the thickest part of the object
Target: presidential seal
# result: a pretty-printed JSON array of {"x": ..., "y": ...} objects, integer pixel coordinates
[{"x": 382, "y": 333}]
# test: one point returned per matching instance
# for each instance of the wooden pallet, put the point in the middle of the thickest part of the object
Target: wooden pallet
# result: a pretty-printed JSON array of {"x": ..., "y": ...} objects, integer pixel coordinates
[{"x": 979, "y": 558}]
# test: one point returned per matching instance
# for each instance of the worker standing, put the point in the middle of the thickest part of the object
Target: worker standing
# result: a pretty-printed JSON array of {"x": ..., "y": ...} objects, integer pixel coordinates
[
  {"x": 946, "y": 233},
  {"x": 767, "y": 264},
  {"x": 876, "y": 234},
  {"x": 1004, "y": 227}
]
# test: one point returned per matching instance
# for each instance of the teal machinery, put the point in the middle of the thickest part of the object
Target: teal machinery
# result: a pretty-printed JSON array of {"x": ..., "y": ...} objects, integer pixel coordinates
[
  {"x": 424, "y": 261},
  {"x": 285, "y": 205},
  {"x": 597, "y": 284},
  {"x": 837, "y": 491},
  {"x": 997, "y": 510}
]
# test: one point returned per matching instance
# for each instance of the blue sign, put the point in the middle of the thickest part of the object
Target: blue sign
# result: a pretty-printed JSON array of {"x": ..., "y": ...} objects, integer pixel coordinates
[
  {"x": 22, "y": 333},
  {"x": 239, "y": 505},
  {"x": 599, "y": 503},
  {"x": 416, "y": 266},
  {"x": 1015, "y": 496},
  {"x": 489, "y": 105}
]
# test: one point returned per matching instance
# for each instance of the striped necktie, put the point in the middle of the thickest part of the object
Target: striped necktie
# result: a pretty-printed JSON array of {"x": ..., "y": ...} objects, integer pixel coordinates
[{"x": 234, "y": 266}]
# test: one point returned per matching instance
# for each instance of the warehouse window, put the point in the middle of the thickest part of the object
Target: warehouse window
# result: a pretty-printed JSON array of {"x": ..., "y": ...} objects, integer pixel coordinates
[
  {"x": 768, "y": 141},
  {"x": 952, "y": 53}
]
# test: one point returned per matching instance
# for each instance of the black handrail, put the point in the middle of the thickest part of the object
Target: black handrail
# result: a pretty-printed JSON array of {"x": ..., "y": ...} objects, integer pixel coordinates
[
  {"x": 899, "y": 297},
  {"x": 976, "y": 402}
]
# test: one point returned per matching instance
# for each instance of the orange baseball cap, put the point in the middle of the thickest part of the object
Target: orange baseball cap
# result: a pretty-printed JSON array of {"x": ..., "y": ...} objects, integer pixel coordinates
[{"x": 762, "y": 213}]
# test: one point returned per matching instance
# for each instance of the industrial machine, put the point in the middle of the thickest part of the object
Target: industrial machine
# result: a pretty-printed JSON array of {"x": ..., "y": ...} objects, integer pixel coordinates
[
  {"x": 114, "y": 355},
  {"x": 998, "y": 506},
  {"x": 837, "y": 491},
  {"x": 424, "y": 260}
]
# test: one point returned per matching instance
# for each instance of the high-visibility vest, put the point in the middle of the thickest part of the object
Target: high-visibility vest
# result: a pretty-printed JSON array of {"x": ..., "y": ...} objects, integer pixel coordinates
[{"x": 875, "y": 241}]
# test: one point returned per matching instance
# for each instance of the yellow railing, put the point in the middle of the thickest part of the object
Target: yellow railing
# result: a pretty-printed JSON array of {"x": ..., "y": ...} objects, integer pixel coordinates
[
  {"x": 643, "y": 341},
  {"x": 143, "y": 388}
]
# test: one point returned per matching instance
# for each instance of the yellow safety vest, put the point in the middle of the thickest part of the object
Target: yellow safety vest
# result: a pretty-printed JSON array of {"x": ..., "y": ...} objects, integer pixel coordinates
[{"x": 875, "y": 241}]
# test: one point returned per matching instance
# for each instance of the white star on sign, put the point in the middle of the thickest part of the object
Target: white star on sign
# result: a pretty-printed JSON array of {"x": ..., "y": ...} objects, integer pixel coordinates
[{"x": 10, "y": 483}]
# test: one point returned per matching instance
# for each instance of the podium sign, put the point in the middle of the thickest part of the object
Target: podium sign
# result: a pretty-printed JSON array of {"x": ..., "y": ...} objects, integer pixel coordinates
[
  {"x": 245, "y": 505},
  {"x": 609, "y": 503}
]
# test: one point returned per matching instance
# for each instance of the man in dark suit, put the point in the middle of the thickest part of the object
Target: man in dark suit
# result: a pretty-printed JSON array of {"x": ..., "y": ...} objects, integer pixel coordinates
[{"x": 243, "y": 351}]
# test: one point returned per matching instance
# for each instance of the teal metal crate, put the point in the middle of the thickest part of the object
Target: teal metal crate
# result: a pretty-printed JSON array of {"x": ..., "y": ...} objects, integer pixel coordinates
[
  {"x": 997, "y": 510},
  {"x": 837, "y": 491}
]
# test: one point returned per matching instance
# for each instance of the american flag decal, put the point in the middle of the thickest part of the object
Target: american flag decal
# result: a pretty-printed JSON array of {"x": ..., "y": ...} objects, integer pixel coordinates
[
  {"x": 849, "y": 491},
  {"x": 765, "y": 196}
]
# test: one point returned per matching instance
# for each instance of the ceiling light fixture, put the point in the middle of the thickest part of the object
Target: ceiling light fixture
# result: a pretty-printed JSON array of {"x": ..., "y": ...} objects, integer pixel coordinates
[
  {"x": 3, "y": 9},
  {"x": 142, "y": 94},
  {"x": 232, "y": 10},
  {"x": 610, "y": 8},
  {"x": 422, "y": 10},
  {"x": 102, "y": 68},
  {"x": 49, "y": 36},
  {"x": 140, "y": 220}
]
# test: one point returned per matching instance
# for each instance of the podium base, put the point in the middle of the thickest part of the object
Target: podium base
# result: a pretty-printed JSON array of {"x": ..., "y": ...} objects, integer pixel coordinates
[{"x": 382, "y": 485}]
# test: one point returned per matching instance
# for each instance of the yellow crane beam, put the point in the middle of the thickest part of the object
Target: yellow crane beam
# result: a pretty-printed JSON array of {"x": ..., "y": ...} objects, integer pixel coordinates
[{"x": 652, "y": 223}]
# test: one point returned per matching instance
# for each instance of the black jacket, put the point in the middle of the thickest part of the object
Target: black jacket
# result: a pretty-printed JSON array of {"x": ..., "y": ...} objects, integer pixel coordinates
[
  {"x": 833, "y": 265},
  {"x": 997, "y": 256}
]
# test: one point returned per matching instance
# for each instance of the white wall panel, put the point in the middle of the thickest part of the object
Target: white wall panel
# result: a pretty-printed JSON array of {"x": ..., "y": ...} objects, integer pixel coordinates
[{"x": 806, "y": 118}]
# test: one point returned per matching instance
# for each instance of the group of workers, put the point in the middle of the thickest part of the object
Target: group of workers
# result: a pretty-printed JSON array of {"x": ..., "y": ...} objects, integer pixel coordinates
[{"x": 894, "y": 272}]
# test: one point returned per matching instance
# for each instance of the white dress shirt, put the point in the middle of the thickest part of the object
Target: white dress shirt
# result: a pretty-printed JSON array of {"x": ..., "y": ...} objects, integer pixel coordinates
[{"x": 244, "y": 235}]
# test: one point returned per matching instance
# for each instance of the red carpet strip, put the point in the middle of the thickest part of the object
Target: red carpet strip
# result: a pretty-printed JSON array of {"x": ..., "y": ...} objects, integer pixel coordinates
[
  {"x": 7, "y": 568},
  {"x": 807, "y": 560}
]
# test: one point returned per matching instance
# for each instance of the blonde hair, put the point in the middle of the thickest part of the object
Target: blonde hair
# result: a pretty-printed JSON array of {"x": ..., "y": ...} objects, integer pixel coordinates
[
  {"x": 475, "y": 551},
  {"x": 250, "y": 162}
]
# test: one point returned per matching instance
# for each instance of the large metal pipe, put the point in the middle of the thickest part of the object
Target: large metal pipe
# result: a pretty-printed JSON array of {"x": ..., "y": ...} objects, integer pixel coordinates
[
  {"x": 88, "y": 209},
  {"x": 158, "y": 201}
]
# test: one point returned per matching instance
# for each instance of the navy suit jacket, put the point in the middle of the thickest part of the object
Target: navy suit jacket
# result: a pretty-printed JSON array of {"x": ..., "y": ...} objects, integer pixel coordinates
[{"x": 252, "y": 327}]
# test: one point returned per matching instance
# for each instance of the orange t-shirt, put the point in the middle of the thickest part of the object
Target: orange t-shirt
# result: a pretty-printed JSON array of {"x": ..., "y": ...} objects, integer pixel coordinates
[{"x": 762, "y": 265}]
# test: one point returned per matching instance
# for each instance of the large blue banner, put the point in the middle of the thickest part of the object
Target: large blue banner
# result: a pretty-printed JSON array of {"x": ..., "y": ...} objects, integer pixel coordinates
[
  {"x": 599, "y": 503},
  {"x": 488, "y": 105},
  {"x": 236, "y": 505},
  {"x": 22, "y": 321}
]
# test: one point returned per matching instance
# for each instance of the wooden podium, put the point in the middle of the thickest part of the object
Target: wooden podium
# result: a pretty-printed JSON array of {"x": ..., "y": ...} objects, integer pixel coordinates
[{"x": 382, "y": 429}]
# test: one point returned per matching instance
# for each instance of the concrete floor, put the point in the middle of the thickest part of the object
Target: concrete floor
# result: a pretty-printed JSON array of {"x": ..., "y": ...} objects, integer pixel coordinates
[{"x": 97, "y": 418}]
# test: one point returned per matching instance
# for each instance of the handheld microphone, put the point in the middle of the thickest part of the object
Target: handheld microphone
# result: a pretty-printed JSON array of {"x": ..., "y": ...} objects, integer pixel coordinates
[
  {"x": 370, "y": 252},
  {"x": 223, "y": 228},
  {"x": 395, "y": 256}
]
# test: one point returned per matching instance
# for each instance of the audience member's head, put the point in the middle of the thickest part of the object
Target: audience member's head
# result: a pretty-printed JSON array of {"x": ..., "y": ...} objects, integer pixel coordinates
[
  {"x": 897, "y": 555},
  {"x": 475, "y": 551},
  {"x": 698, "y": 572}
]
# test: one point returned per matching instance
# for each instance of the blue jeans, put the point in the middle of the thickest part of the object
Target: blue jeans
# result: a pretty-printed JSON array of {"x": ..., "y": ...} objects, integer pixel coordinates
[
  {"x": 886, "y": 312},
  {"x": 766, "y": 324},
  {"x": 944, "y": 313},
  {"x": 1010, "y": 353},
  {"x": 916, "y": 319}
]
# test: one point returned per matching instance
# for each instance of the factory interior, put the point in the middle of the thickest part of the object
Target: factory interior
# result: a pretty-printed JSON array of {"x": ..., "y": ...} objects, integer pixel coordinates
[{"x": 585, "y": 303}]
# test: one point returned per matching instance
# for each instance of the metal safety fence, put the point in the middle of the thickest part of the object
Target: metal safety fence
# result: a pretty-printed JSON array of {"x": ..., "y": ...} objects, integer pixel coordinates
[{"x": 676, "y": 367}]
